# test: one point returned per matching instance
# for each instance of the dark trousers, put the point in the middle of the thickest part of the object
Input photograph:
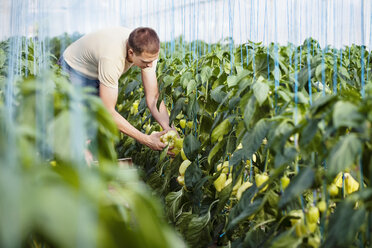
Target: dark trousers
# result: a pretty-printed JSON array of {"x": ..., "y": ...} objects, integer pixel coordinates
[{"x": 78, "y": 78}]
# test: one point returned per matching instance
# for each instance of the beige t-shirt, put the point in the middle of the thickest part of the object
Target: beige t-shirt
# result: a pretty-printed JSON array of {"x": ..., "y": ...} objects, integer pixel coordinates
[{"x": 100, "y": 55}]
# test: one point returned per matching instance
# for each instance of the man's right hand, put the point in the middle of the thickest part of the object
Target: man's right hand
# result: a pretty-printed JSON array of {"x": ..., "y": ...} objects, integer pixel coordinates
[{"x": 154, "y": 142}]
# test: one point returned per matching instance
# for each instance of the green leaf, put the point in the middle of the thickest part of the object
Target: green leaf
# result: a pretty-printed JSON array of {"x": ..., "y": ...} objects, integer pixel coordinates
[
  {"x": 173, "y": 203},
  {"x": 318, "y": 71},
  {"x": 302, "y": 98},
  {"x": 231, "y": 80},
  {"x": 214, "y": 151},
  {"x": 155, "y": 180},
  {"x": 193, "y": 175},
  {"x": 227, "y": 67},
  {"x": 191, "y": 86},
  {"x": 51, "y": 202},
  {"x": 222, "y": 129},
  {"x": 206, "y": 73},
  {"x": 168, "y": 80},
  {"x": 253, "y": 140},
  {"x": 103, "y": 116},
  {"x": 231, "y": 143},
  {"x": 163, "y": 155},
  {"x": 217, "y": 94},
  {"x": 185, "y": 78},
  {"x": 253, "y": 238},
  {"x": 184, "y": 220},
  {"x": 303, "y": 76},
  {"x": 260, "y": 91},
  {"x": 286, "y": 155},
  {"x": 59, "y": 135},
  {"x": 233, "y": 103},
  {"x": 235, "y": 79},
  {"x": 344, "y": 225},
  {"x": 286, "y": 240},
  {"x": 177, "y": 109},
  {"x": 130, "y": 87},
  {"x": 244, "y": 208},
  {"x": 261, "y": 63},
  {"x": 192, "y": 108},
  {"x": 225, "y": 101},
  {"x": 343, "y": 71},
  {"x": 284, "y": 95},
  {"x": 205, "y": 125},
  {"x": 191, "y": 146},
  {"x": 249, "y": 111},
  {"x": 302, "y": 181},
  {"x": 322, "y": 103},
  {"x": 219, "y": 54},
  {"x": 223, "y": 197},
  {"x": 346, "y": 114},
  {"x": 309, "y": 132},
  {"x": 344, "y": 153},
  {"x": 197, "y": 232},
  {"x": 238, "y": 156}
]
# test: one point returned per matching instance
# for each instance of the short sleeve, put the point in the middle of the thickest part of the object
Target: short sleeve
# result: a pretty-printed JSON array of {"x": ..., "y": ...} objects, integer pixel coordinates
[{"x": 109, "y": 72}]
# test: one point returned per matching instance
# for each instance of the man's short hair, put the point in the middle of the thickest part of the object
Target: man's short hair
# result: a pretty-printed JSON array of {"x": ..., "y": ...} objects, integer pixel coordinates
[{"x": 144, "y": 39}]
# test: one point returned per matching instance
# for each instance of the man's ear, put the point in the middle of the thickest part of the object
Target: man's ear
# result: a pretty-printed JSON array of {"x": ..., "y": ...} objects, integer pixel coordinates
[{"x": 130, "y": 52}]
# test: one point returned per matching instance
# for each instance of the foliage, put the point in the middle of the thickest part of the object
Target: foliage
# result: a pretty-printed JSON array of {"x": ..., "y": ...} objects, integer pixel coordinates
[
  {"x": 252, "y": 115},
  {"x": 278, "y": 111},
  {"x": 50, "y": 197}
]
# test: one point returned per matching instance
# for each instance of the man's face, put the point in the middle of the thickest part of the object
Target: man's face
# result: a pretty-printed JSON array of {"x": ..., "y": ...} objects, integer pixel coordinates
[{"x": 144, "y": 60}]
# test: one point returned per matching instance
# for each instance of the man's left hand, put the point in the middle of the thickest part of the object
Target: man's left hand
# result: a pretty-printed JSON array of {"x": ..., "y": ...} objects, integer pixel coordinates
[{"x": 170, "y": 153}]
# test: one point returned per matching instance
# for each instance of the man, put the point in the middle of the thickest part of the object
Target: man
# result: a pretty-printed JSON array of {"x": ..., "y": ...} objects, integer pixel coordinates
[{"x": 99, "y": 59}]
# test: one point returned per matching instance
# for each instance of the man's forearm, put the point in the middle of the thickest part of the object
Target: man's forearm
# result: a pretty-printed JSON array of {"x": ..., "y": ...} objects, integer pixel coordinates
[
  {"x": 161, "y": 115},
  {"x": 125, "y": 127}
]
